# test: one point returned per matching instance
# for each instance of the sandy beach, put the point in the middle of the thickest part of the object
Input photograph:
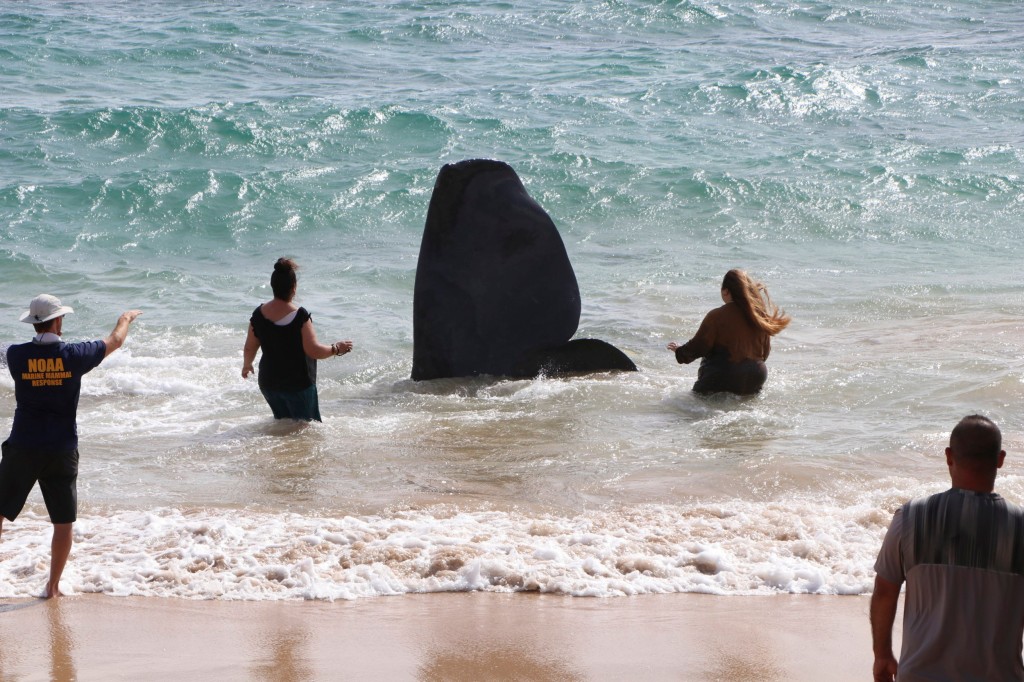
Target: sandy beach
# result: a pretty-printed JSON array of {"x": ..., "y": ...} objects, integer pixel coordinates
[{"x": 471, "y": 636}]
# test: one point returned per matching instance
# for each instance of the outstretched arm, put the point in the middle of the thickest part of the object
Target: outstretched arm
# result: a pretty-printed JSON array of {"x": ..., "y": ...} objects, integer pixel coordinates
[
  {"x": 883, "y": 613},
  {"x": 701, "y": 343},
  {"x": 116, "y": 338},
  {"x": 317, "y": 350},
  {"x": 252, "y": 344}
]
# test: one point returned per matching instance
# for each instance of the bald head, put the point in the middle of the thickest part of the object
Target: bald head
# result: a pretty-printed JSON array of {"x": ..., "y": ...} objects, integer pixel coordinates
[{"x": 976, "y": 440}]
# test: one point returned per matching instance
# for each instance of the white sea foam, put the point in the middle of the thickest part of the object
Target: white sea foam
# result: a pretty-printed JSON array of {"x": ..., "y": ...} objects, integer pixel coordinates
[{"x": 734, "y": 548}]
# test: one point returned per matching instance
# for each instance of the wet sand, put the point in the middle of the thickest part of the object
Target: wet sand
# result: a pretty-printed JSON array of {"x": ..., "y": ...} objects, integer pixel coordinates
[{"x": 474, "y": 636}]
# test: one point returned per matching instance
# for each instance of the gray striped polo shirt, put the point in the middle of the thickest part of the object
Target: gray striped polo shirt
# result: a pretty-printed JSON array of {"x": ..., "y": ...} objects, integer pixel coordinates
[{"x": 961, "y": 554}]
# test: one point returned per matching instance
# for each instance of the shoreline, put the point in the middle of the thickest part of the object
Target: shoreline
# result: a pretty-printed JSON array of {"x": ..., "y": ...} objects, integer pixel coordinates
[{"x": 447, "y": 636}]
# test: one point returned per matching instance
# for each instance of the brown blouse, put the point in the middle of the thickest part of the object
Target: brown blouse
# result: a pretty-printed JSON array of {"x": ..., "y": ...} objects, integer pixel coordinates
[{"x": 726, "y": 334}]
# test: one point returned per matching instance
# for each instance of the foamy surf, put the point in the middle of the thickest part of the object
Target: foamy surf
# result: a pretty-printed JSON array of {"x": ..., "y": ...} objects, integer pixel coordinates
[{"x": 729, "y": 548}]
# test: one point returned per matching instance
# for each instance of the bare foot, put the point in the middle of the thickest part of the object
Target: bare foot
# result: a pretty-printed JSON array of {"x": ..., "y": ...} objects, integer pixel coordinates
[{"x": 52, "y": 591}]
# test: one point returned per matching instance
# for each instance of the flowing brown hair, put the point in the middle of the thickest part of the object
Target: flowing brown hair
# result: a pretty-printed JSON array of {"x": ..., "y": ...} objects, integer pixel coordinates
[{"x": 752, "y": 298}]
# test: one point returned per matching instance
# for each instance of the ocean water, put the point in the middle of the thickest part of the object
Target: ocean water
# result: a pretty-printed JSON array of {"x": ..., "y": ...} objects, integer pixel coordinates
[{"x": 863, "y": 159}]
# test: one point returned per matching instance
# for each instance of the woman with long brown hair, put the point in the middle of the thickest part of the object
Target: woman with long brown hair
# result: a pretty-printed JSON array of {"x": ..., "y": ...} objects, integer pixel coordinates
[{"x": 734, "y": 340}]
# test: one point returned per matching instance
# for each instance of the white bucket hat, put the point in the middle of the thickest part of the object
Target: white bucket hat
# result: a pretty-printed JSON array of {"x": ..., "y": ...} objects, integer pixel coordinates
[{"x": 44, "y": 308}]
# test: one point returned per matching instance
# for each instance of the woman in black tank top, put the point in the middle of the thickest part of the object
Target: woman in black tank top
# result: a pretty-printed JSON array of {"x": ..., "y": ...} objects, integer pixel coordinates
[{"x": 287, "y": 374}]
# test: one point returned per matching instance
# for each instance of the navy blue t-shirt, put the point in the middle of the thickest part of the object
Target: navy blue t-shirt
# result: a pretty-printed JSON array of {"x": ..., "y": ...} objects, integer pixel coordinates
[{"x": 47, "y": 383}]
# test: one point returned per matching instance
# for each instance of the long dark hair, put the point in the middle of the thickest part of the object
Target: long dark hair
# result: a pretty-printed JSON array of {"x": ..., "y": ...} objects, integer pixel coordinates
[
  {"x": 752, "y": 298},
  {"x": 283, "y": 281}
]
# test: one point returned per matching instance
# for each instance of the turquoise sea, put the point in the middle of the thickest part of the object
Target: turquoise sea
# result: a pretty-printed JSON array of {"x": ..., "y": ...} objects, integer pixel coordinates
[{"x": 864, "y": 159}]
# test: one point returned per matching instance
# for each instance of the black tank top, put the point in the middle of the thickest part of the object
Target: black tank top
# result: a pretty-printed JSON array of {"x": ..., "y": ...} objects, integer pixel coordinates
[{"x": 284, "y": 366}]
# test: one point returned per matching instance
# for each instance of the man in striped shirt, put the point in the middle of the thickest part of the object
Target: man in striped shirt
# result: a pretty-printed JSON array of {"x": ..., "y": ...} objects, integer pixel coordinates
[{"x": 961, "y": 554}]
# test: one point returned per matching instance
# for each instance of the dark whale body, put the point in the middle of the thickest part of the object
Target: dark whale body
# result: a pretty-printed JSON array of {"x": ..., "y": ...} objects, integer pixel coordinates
[{"x": 495, "y": 292}]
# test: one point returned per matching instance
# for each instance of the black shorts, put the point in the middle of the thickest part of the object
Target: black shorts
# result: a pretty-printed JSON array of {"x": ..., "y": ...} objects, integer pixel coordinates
[{"x": 57, "y": 473}]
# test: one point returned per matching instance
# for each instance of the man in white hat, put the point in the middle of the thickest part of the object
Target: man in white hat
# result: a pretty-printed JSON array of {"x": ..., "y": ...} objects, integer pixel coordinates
[{"x": 43, "y": 445}]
